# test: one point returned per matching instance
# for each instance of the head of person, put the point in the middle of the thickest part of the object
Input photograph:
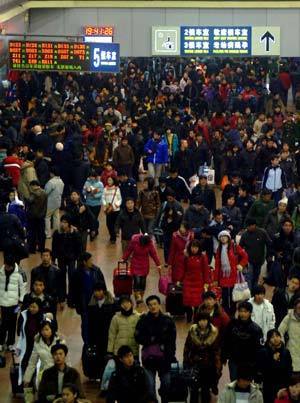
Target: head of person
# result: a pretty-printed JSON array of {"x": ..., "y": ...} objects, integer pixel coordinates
[
  {"x": 209, "y": 300},
  {"x": 224, "y": 237},
  {"x": 198, "y": 202},
  {"x": 54, "y": 171},
  {"x": 149, "y": 183},
  {"x": 266, "y": 195},
  {"x": 173, "y": 173},
  {"x": 65, "y": 223},
  {"x": 125, "y": 355},
  {"x": 129, "y": 203},
  {"x": 145, "y": 239},
  {"x": 156, "y": 136},
  {"x": 112, "y": 181},
  {"x": 35, "y": 306},
  {"x": 218, "y": 216},
  {"x": 230, "y": 200},
  {"x": 296, "y": 256},
  {"x": 251, "y": 224},
  {"x": 87, "y": 260},
  {"x": 47, "y": 330},
  {"x": 93, "y": 175},
  {"x": 274, "y": 339},
  {"x": 194, "y": 248},
  {"x": 275, "y": 160},
  {"x": 99, "y": 291},
  {"x": 39, "y": 154},
  {"x": 294, "y": 389},
  {"x": 171, "y": 195},
  {"x": 122, "y": 175},
  {"x": 287, "y": 226},
  {"x": 162, "y": 181},
  {"x": 124, "y": 141},
  {"x": 184, "y": 144},
  {"x": 243, "y": 190},
  {"x": 126, "y": 305},
  {"x": 244, "y": 311},
  {"x": 35, "y": 184},
  {"x": 293, "y": 283},
  {"x": 282, "y": 205},
  {"x": 203, "y": 180},
  {"x": 259, "y": 294},
  {"x": 203, "y": 320},
  {"x": 9, "y": 261},
  {"x": 59, "y": 353},
  {"x": 235, "y": 179},
  {"x": 244, "y": 377},
  {"x": 183, "y": 229},
  {"x": 75, "y": 196},
  {"x": 153, "y": 304},
  {"x": 70, "y": 393},
  {"x": 39, "y": 286},
  {"x": 46, "y": 257}
]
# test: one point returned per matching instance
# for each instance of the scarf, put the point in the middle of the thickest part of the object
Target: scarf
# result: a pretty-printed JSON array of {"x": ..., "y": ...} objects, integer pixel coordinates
[{"x": 225, "y": 264}]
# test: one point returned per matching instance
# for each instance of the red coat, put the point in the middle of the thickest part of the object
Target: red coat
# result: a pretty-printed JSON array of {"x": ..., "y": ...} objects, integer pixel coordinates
[
  {"x": 237, "y": 255},
  {"x": 140, "y": 256},
  {"x": 284, "y": 399},
  {"x": 176, "y": 254},
  {"x": 193, "y": 277},
  {"x": 12, "y": 166}
]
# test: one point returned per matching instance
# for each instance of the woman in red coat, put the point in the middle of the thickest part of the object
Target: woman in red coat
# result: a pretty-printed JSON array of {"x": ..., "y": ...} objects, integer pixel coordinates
[
  {"x": 230, "y": 259},
  {"x": 194, "y": 276},
  {"x": 141, "y": 247},
  {"x": 180, "y": 240}
]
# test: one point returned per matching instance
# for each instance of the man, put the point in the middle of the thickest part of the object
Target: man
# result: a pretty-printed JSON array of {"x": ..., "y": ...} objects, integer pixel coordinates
[
  {"x": 38, "y": 291},
  {"x": 284, "y": 298},
  {"x": 242, "y": 389},
  {"x": 248, "y": 164},
  {"x": 129, "y": 382},
  {"x": 244, "y": 200},
  {"x": 85, "y": 278},
  {"x": 263, "y": 311},
  {"x": 200, "y": 152},
  {"x": 41, "y": 167},
  {"x": 196, "y": 215},
  {"x": 12, "y": 290},
  {"x": 51, "y": 275},
  {"x": 123, "y": 157},
  {"x": 274, "y": 179},
  {"x": 182, "y": 160},
  {"x": 261, "y": 207},
  {"x": 130, "y": 221},
  {"x": 54, "y": 189},
  {"x": 178, "y": 184},
  {"x": 156, "y": 150},
  {"x": 207, "y": 194},
  {"x": 294, "y": 199},
  {"x": 36, "y": 213},
  {"x": 256, "y": 242},
  {"x": 56, "y": 377},
  {"x": 128, "y": 187},
  {"x": 66, "y": 249},
  {"x": 156, "y": 332},
  {"x": 12, "y": 166},
  {"x": 242, "y": 340},
  {"x": 232, "y": 188},
  {"x": 275, "y": 217}
]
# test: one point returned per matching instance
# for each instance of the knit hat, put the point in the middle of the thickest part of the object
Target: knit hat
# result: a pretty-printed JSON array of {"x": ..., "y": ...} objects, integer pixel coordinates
[
  {"x": 224, "y": 233},
  {"x": 284, "y": 200}
]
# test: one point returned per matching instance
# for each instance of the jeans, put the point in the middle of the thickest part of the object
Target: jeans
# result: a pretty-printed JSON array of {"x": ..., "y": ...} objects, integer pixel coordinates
[
  {"x": 165, "y": 382},
  {"x": 54, "y": 215},
  {"x": 8, "y": 325},
  {"x": 36, "y": 234},
  {"x": 67, "y": 266},
  {"x": 155, "y": 170}
]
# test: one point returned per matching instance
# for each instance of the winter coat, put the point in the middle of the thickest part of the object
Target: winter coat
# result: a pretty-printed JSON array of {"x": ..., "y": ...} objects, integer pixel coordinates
[
  {"x": 237, "y": 256},
  {"x": 274, "y": 179},
  {"x": 180, "y": 187},
  {"x": 148, "y": 202},
  {"x": 28, "y": 174},
  {"x": 293, "y": 202},
  {"x": 157, "y": 330},
  {"x": 13, "y": 289},
  {"x": 196, "y": 217},
  {"x": 194, "y": 276},
  {"x": 140, "y": 256},
  {"x": 268, "y": 316},
  {"x": 290, "y": 326},
  {"x": 80, "y": 171},
  {"x": 12, "y": 166},
  {"x": 112, "y": 195},
  {"x": 228, "y": 395},
  {"x": 182, "y": 162},
  {"x": 208, "y": 196},
  {"x": 10, "y": 228},
  {"x": 248, "y": 164},
  {"x": 82, "y": 221},
  {"x": 282, "y": 302},
  {"x": 66, "y": 245},
  {"x": 255, "y": 244},
  {"x": 219, "y": 319},
  {"x": 202, "y": 351},
  {"x": 128, "y": 188},
  {"x": 93, "y": 199},
  {"x": 130, "y": 224},
  {"x": 41, "y": 353},
  {"x": 52, "y": 277},
  {"x": 234, "y": 217},
  {"x": 123, "y": 155},
  {"x": 156, "y": 152},
  {"x": 259, "y": 211},
  {"x": 47, "y": 302},
  {"x": 42, "y": 170},
  {"x": 273, "y": 223},
  {"x": 121, "y": 333},
  {"x": 54, "y": 189},
  {"x": 176, "y": 254},
  {"x": 244, "y": 204},
  {"x": 37, "y": 204}
]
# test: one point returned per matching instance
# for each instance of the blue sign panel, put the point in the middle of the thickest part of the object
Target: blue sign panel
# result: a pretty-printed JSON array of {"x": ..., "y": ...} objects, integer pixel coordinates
[
  {"x": 105, "y": 57},
  {"x": 215, "y": 41}
]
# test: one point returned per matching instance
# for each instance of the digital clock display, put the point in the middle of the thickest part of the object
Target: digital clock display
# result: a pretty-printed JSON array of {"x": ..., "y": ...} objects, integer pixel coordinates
[{"x": 98, "y": 31}]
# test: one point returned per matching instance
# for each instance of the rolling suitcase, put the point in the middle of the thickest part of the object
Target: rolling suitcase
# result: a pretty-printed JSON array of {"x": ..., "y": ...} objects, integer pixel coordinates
[
  {"x": 178, "y": 391},
  {"x": 14, "y": 377},
  {"x": 122, "y": 280},
  {"x": 91, "y": 365},
  {"x": 174, "y": 302}
]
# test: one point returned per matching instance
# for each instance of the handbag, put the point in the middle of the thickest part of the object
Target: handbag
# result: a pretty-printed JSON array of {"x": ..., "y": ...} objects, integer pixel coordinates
[
  {"x": 109, "y": 208},
  {"x": 163, "y": 283},
  {"x": 241, "y": 291},
  {"x": 152, "y": 353}
]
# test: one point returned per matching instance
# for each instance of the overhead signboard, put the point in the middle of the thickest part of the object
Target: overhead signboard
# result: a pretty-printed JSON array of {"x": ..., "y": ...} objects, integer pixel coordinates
[
  {"x": 165, "y": 41},
  {"x": 266, "y": 41},
  {"x": 215, "y": 41},
  {"x": 63, "y": 56}
]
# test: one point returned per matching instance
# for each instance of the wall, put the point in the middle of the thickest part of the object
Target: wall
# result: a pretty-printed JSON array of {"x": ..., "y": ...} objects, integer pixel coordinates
[{"x": 133, "y": 26}]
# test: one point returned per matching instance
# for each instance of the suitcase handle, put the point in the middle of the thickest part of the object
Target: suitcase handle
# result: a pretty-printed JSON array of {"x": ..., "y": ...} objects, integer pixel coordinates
[
  {"x": 122, "y": 262},
  {"x": 122, "y": 271}
]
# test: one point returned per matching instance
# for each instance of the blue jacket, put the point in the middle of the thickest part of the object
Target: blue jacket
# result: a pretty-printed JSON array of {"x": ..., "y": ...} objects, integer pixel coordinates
[
  {"x": 93, "y": 199},
  {"x": 157, "y": 153}
]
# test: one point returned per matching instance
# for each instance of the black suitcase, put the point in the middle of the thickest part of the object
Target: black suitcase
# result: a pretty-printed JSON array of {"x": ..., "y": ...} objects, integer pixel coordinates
[
  {"x": 178, "y": 391},
  {"x": 14, "y": 377},
  {"x": 91, "y": 365},
  {"x": 174, "y": 302}
]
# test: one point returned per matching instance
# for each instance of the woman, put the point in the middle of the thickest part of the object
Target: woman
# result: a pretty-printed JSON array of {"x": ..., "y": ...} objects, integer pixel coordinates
[
  {"x": 149, "y": 203},
  {"x": 170, "y": 223},
  {"x": 111, "y": 201},
  {"x": 202, "y": 355},
  {"x": 141, "y": 247},
  {"x": 70, "y": 394},
  {"x": 230, "y": 259},
  {"x": 274, "y": 366},
  {"x": 41, "y": 353},
  {"x": 93, "y": 192},
  {"x": 180, "y": 240},
  {"x": 194, "y": 276}
]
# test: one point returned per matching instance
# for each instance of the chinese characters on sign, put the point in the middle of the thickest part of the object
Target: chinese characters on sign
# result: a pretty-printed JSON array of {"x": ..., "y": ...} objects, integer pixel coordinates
[
  {"x": 215, "y": 41},
  {"x": 105, "y": 57}
]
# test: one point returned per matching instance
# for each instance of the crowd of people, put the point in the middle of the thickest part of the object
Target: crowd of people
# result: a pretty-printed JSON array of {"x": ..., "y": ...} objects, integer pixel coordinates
[{"x": 198, "y": 158}]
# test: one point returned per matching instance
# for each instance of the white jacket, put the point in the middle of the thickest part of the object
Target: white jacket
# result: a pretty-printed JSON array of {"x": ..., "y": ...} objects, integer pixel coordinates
[
  {"x": 12, "y": 293},
  {"x": 268, "y": 316},
  {"x": 112, "y": 195}
]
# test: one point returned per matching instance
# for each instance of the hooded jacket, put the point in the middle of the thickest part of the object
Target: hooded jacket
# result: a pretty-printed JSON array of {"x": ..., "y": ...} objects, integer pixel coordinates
[
  {"x": 12, "y": 288},
  {"x": 156, "y": 151},
  {"x": 268, "y": 316}
]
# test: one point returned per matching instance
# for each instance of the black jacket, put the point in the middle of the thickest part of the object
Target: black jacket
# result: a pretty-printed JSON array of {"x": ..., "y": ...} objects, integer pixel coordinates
[
  {"x": 180, "y": 187},
  {"x": 255, "y": 244},
  {"x": 282, "y": 302},
  {"x": 208, "y": 196},
  {"x": 248, "y": 164},
  {"x": 242, "y": 341},
  {"x": 66, "y": 245},
  {"x": 82, "y": 221},
  {"x": 53, "y": 283},
  {"x": 48, "y": 303},
  {"x": 42, "y": 171},
  {"x": 159, "y": 330},
  {"x": 10, "y": 228},
  {"x": 183, "y": 162},
  {"x": 244, "y": 204},
  {"x": 196, "y": 217},
  {"x": 129, "y": 223},
  {"x": 128, "y": 189},
  {"x": 293, "y": 202}
]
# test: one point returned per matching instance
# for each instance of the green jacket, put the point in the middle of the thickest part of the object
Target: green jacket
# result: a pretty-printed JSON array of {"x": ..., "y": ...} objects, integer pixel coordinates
[
  {"x": 259, "y": 211},
  {"x": 228, "y": 394}
]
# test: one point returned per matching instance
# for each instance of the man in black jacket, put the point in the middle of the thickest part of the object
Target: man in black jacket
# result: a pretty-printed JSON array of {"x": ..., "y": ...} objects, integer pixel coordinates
[
  {"x": 208, "y": 195},
  {"x": 182, "y": 160},
  {"x": 128, "y": 188},
  {"x": 196, "y": 215},
  {"x": 38, "y": 291},
  {"x": 242, "y": 340},
  {"x": 156, "y": 332},
  {"x": 85, "y": 278},
  {"x": 178, "y": 184},
  {"x": 294, "y": 200},
  {"x": 56, "y": 377},
  {"x": 284, "y": 298}
]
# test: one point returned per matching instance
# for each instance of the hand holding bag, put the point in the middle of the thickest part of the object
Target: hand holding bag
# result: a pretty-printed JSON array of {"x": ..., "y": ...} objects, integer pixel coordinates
[{"x": 241, "y": 291}]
